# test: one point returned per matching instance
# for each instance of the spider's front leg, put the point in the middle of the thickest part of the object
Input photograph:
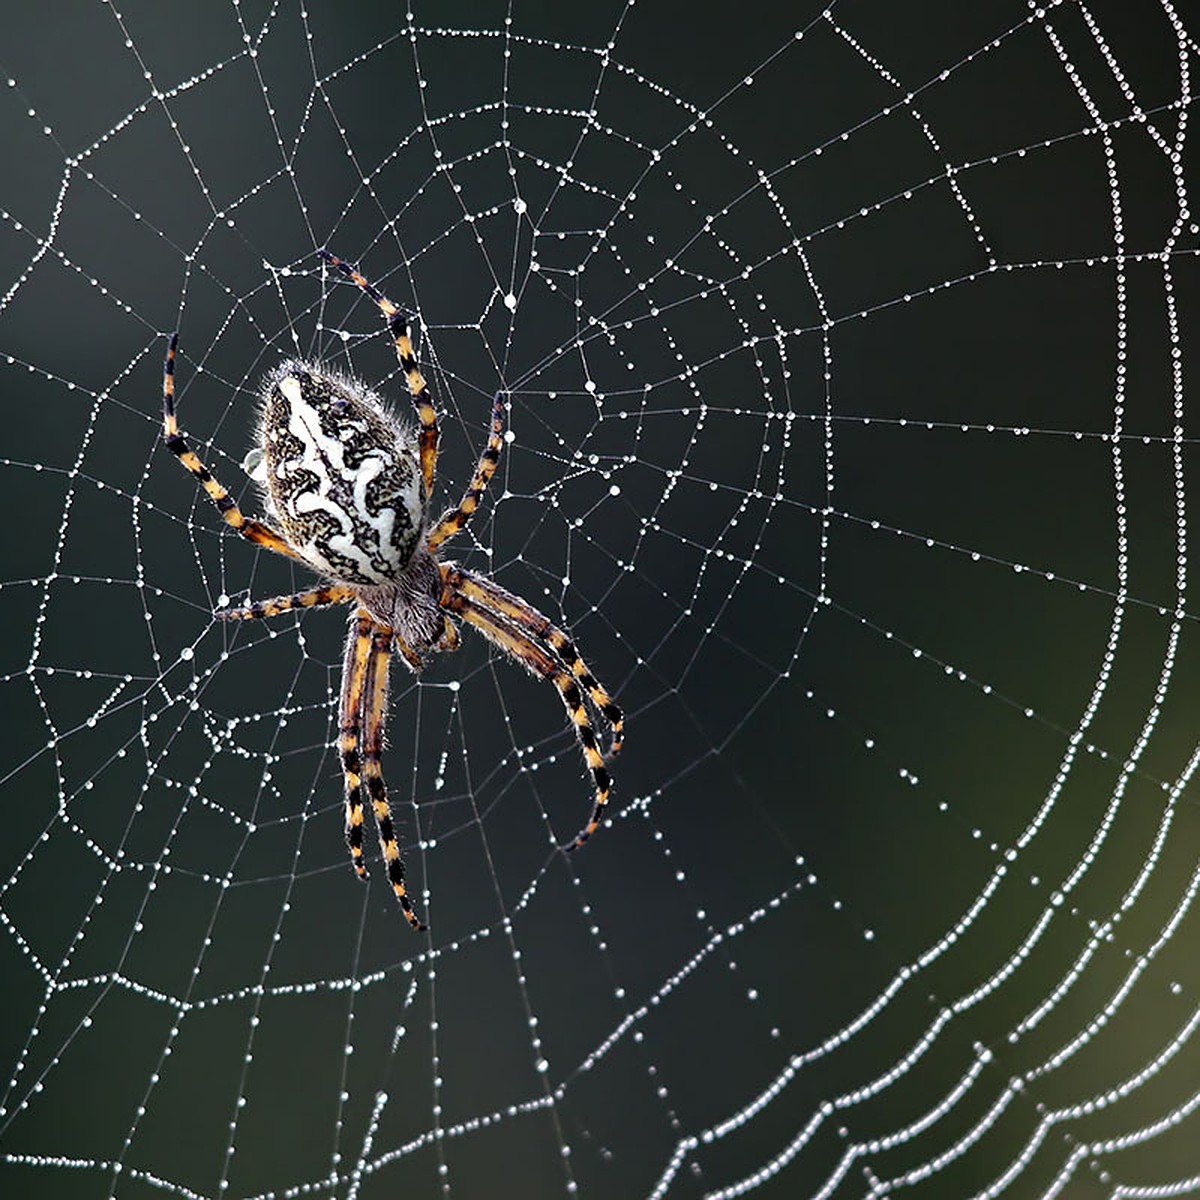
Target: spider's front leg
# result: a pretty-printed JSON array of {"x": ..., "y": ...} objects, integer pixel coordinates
[
  {"x": 545, "y": 633},
  {"x": 375, "y": 706},
  {"x": 350, "y": 714},
  {"x": 498, "y": 629}
]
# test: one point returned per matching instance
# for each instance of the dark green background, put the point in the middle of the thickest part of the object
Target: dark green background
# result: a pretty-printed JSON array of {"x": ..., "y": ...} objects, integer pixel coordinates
[{"x": 862, "y": 579}]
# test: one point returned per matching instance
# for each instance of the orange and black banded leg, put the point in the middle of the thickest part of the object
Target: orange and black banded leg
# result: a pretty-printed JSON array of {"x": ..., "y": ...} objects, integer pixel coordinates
[
  {"x": 516, "y": 644},
  {"x": 350, "y": 732},
  {"x": 456, "y": 519},
  {"x": 524, "y": 615},
  {"x": 315, "y": 598},
  {"x": 254, "y": 531},
  {"x": 418, "y": 389},
  {"x": 401, "y": 330},
  {"x": 376, "y": 703}
]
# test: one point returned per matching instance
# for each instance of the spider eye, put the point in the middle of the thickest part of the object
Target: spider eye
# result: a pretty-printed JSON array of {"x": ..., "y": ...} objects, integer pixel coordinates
[{"x": 340, "y": 404}]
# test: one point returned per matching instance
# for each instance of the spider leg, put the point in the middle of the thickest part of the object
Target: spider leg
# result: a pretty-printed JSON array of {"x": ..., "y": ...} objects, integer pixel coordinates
[
  {"x": 415, "y": 662},
  {"x": 454, "y": 520},
  {"x": 497, "y": 629},
  {"x": 376, "y": 703},
  {"x": 448, "y": 641},
  {"x": 524, "y": 615},
  {"x": 354, "y": 672},
  {"x": 418, "y": 389},
  {"x": 254, "y": 531},
  {"x": 316, "y": 598}
]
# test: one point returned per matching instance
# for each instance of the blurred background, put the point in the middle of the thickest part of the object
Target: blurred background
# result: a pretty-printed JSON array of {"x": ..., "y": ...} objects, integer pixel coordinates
[{"x": 850, "y": 349}]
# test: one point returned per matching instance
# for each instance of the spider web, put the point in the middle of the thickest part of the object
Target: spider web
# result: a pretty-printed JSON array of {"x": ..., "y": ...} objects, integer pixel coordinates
[{"x": 850, "y": 350}]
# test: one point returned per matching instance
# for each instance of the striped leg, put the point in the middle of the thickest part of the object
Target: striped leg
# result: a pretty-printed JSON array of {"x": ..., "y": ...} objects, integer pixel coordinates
[
  {"x": 354, "y": 673},
  {"x": 401, "y": 331},
  {"x": 540, "y": 627},
  {"x": 454, "y": 520},
  {"x": 316, "y": 598},
  {"x": 418, "y": 389},
  {"x": 513, "y": 642},
  {"x": 254, "y": 531},
  {"x": 376, "y": 703}
]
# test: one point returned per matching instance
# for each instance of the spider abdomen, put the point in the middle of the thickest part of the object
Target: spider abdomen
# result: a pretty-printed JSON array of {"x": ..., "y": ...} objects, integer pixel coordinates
[{"x": 343, "y": 479}]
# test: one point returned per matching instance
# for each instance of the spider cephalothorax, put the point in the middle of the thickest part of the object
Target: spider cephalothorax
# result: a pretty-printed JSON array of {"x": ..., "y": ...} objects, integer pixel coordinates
[{"x": 349, "y": 487}]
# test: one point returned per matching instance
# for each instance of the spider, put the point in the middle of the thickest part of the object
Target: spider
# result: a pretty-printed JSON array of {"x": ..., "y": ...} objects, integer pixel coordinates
[{"x": 349, "y": 487}]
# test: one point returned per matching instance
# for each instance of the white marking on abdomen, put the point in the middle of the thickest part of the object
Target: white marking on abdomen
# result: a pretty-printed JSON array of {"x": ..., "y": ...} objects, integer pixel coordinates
[{"x": 321, "y": 454}]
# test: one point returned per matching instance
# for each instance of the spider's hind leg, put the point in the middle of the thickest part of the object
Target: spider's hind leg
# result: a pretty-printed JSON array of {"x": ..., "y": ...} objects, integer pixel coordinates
[
  {"x": 251, "y": 530},
  {"x": 399, "y": 326}
]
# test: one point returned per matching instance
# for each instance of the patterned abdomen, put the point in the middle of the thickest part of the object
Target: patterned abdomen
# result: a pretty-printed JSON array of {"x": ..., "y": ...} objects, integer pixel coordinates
[{"x": 349, "y": 495}]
